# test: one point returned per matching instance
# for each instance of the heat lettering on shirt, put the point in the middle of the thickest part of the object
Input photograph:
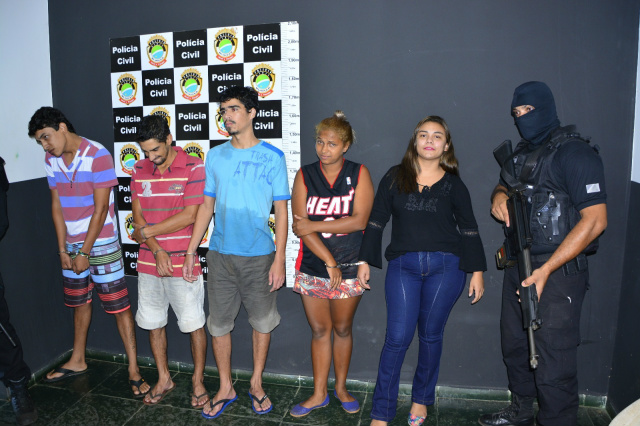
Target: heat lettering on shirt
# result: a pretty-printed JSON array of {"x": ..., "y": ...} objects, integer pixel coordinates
[{"x": 330, "y": 206}]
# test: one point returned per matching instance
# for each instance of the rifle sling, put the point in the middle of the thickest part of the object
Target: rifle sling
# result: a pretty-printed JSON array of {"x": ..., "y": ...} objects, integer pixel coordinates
[
  {"x": 527, "y": 168},
  {"x": 530, "y": 164}
]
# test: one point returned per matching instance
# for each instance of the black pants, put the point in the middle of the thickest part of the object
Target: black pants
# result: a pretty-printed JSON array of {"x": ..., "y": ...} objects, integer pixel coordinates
[
  {"x": 555, "y": 382},
  {"x": 12, "y": 366}
]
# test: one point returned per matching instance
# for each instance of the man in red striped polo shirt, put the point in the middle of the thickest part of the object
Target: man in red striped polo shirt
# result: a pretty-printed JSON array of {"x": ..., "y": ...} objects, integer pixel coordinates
[{"x": 167, "y": 189}]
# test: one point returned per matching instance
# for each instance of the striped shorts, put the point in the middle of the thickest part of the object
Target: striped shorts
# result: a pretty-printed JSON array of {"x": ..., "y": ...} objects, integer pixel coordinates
[{"x": 105, "y": 273}]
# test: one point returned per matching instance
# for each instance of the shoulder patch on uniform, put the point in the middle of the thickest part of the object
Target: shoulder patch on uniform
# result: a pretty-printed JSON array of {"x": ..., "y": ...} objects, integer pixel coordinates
[{"x": 593, "y": 188}]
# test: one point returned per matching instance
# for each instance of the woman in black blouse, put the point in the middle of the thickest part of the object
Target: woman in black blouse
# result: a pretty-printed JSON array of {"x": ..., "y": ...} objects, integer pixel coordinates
[{"x": 434, "y": 243}]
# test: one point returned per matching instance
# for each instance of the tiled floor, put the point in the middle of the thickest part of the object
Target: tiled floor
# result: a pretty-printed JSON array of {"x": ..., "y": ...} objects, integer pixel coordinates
[{"x": 102, "y": 397}]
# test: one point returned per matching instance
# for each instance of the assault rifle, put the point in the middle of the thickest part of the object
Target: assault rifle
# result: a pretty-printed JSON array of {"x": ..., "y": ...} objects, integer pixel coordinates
[{"x": 517, "y": 246}]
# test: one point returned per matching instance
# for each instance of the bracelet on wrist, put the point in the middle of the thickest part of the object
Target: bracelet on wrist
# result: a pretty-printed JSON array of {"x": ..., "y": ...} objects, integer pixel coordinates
[
  {"x": 142, "y": 232},
  {"x": 345, "y": 265},
  {"x": 83, "y": 254},
  {"x": 64, "y": 252},
  {"x": 159, "y": 250},
  {"x": 193, "y": 254}
]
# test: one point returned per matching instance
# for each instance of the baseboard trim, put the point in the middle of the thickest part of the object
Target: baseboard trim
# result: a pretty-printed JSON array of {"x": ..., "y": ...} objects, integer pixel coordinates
[{"x": 486, "y": 394}]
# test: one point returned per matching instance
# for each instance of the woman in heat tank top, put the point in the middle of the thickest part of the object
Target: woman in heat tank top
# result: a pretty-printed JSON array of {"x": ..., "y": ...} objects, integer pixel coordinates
[{"x": 331, "y": 202}]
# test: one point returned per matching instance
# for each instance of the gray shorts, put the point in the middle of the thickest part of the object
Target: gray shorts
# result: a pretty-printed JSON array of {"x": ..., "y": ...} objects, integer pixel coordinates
[{"x": 233, "y": 280}]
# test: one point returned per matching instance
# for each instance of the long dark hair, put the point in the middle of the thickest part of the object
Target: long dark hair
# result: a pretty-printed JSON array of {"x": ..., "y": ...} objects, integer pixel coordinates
[{"x": 408, "y": 169}]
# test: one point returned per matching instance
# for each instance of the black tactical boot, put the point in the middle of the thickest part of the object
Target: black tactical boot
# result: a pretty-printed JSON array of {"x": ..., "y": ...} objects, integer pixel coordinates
[
  {"x": 22, "y": 403},
  {"x": 519, "y": 413}
]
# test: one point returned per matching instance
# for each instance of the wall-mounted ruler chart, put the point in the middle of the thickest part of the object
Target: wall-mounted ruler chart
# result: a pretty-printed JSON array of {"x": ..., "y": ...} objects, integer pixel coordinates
[{"x": 179, "y": 75}]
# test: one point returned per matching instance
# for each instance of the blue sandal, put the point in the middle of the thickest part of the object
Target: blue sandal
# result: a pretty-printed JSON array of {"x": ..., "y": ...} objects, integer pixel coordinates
[
  {"x": 260, "y": 401},
  {"x": 225, "y": 403}
]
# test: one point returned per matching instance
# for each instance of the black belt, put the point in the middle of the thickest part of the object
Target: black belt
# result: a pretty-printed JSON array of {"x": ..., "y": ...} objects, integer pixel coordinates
[{"x": 572, "y": 267}]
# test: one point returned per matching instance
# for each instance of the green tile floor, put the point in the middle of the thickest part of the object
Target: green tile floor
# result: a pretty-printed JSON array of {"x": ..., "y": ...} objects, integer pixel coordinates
[{"x": 103, "y": 397}]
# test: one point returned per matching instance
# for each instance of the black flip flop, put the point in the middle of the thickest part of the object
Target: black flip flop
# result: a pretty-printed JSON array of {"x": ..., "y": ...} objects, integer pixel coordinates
[
  {"x": 225, "y": 403},
  {"x": 260, "y": 401},
  {"x": 137, "y": 384},
  {"x": 65, "y": 374},
  {"x": 160, "y": 395},
  {"x": 197, "y": 397}
]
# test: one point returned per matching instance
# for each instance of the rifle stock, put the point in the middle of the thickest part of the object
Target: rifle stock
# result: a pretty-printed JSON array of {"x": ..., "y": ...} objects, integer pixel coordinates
[{"x": 517, "y": 248}]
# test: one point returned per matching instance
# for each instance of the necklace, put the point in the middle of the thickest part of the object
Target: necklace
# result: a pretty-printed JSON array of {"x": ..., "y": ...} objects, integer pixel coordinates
[{"x": 75, "y": 170}]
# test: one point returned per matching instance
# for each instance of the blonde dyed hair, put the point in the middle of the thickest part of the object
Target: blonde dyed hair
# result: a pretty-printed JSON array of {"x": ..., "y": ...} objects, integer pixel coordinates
[{"x": 338, "y": 123}]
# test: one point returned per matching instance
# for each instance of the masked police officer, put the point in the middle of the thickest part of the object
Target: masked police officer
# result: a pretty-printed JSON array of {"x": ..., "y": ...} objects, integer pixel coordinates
[
  {"x": 567, "y": 212},
  {"x": 14, "y": 372}
]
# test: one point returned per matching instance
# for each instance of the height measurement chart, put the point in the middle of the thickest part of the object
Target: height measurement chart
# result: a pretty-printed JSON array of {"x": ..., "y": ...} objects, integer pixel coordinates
[{"x": 179, "y": 76}]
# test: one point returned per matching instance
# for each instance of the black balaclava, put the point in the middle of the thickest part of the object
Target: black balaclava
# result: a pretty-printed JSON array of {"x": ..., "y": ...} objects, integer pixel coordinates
[{"x": 536, "y": 125}]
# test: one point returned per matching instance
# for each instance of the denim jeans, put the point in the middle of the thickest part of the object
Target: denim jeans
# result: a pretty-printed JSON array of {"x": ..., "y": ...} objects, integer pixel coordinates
[{"x": 420, "y": 288}]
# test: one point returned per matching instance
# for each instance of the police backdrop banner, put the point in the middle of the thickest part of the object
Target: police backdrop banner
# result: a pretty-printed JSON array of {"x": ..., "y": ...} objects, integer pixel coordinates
[{"x": 179, "y": 75}]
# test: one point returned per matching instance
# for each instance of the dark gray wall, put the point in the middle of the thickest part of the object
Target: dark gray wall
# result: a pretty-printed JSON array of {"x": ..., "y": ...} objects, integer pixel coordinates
[
  {"x": 31, "y": 273},
  {"x": 387, "y": 65},
  {"x": 624, "y": 385}
]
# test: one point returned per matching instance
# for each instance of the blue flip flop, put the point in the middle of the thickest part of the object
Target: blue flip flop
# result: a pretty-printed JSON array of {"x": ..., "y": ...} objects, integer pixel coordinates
[
  {"x": 260, "y": 401},
  {"x": 225, "y": 403}
]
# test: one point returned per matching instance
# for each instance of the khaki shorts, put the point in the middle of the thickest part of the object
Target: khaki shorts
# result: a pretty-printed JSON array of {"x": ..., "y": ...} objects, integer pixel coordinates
[
  {"x": 155, "y": 294},
  {"x": 234, "y": 280}
]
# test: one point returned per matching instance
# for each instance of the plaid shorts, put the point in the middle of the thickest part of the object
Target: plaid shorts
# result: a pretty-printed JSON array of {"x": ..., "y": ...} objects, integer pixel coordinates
[
  {"x": 320, "y": 288},
  {"x": 105, "y": 273}
]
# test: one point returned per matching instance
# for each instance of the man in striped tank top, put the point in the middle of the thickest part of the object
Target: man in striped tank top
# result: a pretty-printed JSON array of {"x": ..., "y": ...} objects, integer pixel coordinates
[{"x": 81, "y": 178}]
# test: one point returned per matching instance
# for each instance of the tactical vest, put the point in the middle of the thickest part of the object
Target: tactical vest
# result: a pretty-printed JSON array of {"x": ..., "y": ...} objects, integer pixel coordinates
[{"x": 551, "y": 214}]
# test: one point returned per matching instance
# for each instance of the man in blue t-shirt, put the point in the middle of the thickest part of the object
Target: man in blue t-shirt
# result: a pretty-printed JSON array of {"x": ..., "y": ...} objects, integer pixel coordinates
[{"x": 245, "y": 177}]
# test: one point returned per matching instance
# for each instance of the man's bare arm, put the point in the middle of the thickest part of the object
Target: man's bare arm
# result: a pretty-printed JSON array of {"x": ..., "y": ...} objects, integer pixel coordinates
[{"x": 277, "y": 271}]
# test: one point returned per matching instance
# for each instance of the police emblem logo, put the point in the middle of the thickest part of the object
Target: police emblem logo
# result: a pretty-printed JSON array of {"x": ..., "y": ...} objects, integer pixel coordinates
[
  {"x": 157, "y": 50},
  {"x": 272, "y": 227},
  {"x": 129, "y": 154},
  {"x": 162, "y": 112},
  {"x": 127, "y": 88},
  {"x": 220, "y": 124},
  {"x": 226, "y": 44},
  {"x": 205, "y": 238},
  {"x": 263, "y": 79},
  {"x": 194, "y": 149},
  {"x": 128, "y": 226},
  {"x": 191, "y": 84}
]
